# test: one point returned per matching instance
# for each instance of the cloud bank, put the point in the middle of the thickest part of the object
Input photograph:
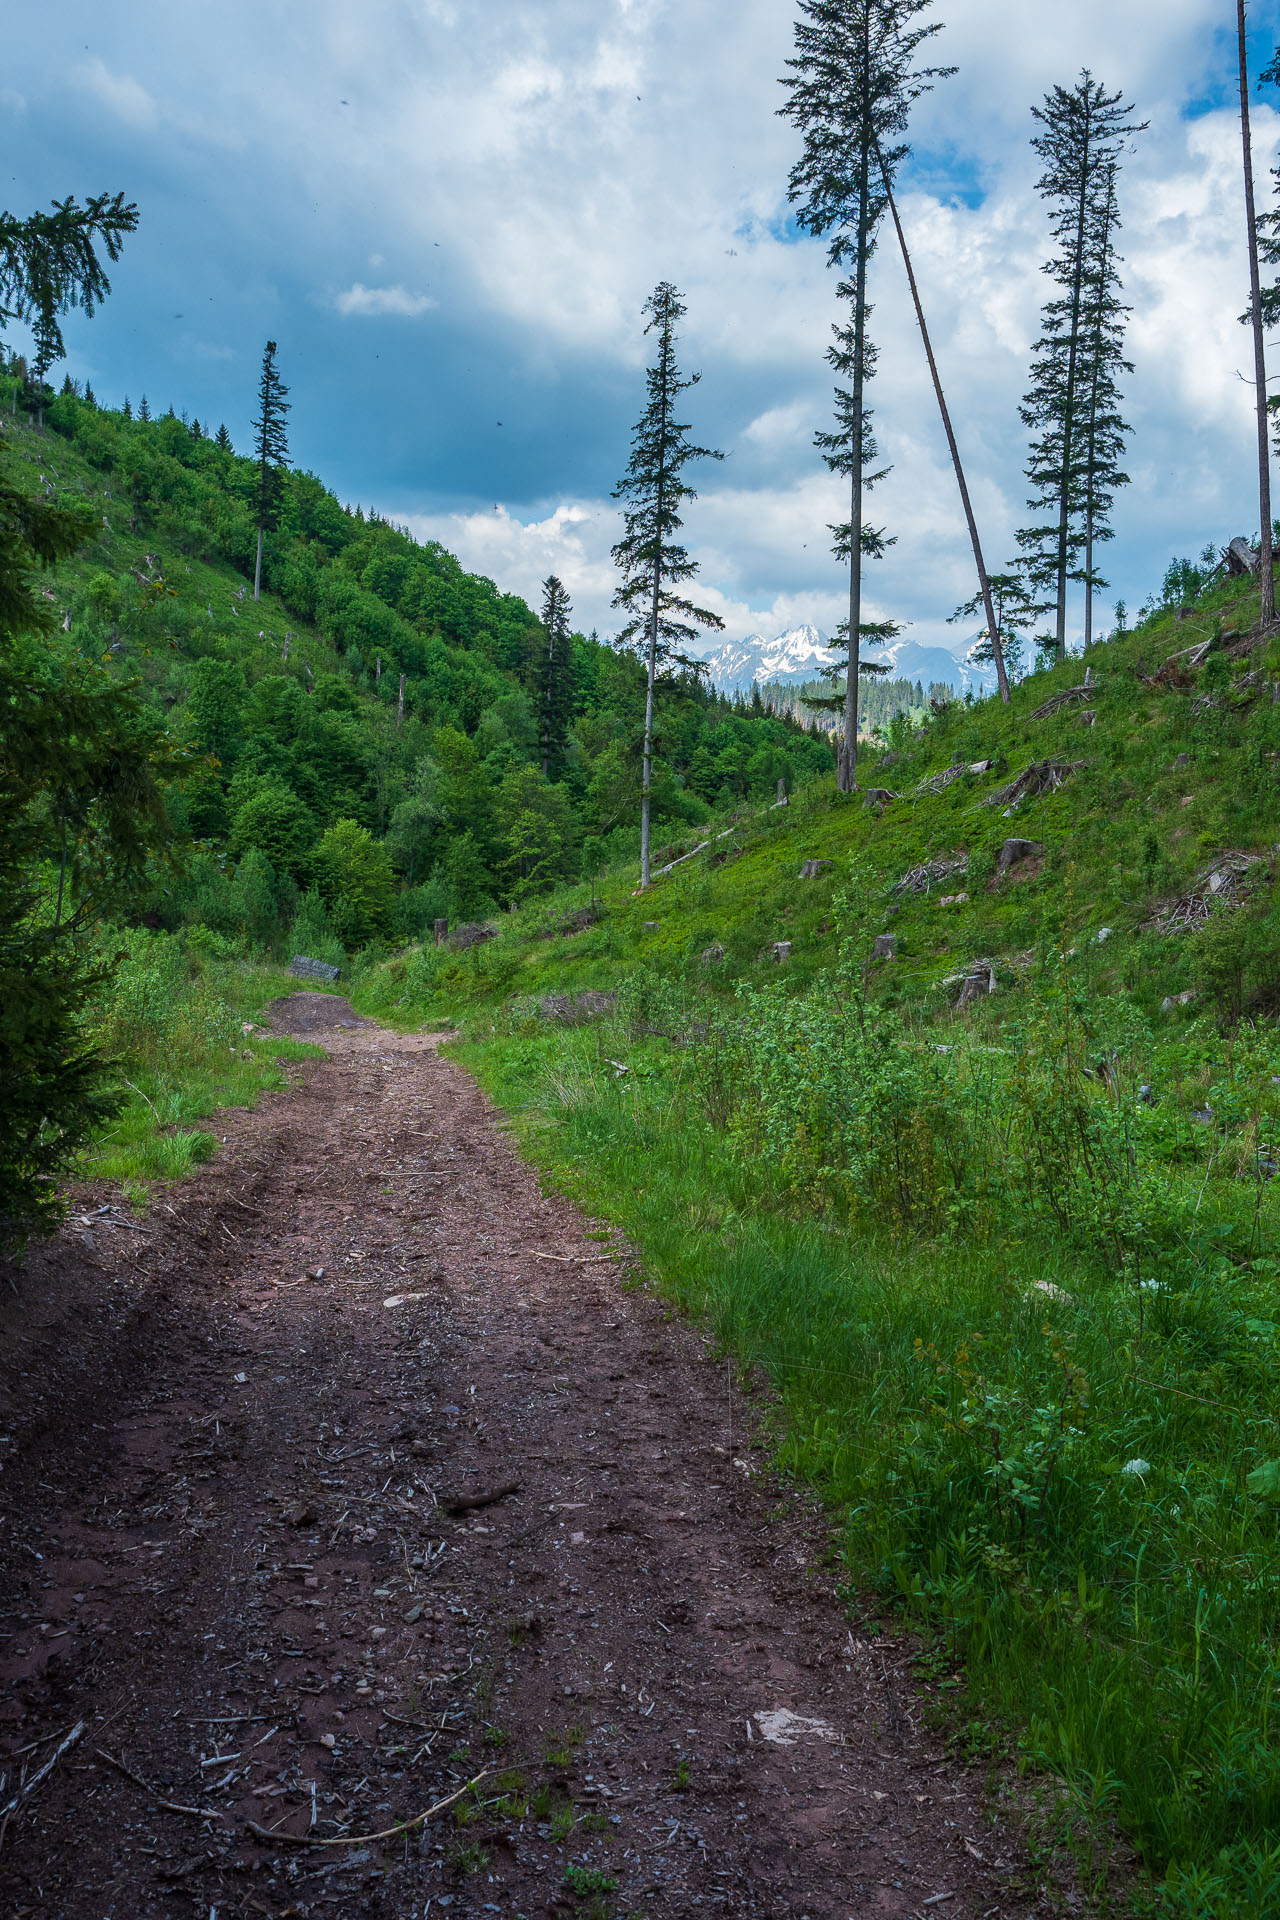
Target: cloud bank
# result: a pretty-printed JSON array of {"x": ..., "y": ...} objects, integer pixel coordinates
[{"x": 516, "y": 178}]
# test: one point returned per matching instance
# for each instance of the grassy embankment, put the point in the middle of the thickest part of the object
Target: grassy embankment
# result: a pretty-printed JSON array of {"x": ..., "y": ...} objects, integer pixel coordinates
[
  {"x": 173, "y": 1022},
  {"x": 1012, "y": 1270}
]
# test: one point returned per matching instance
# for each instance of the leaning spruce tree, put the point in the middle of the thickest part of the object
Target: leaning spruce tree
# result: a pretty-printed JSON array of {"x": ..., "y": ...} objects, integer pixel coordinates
[
  {"x": 1083, "y": 133},
  {"x": 271, "y": 451},
  {"x": 650, "y": 559},
  {"x": 852, "y": 84}
]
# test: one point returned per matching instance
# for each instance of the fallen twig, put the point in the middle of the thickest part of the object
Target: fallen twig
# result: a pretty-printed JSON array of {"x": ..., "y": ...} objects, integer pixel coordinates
[
  {"x": 363, "y": 1839},
  {"x": 169, "y": 1806},
  {"x": 576, "y": 1259},
  {"x": 29, "y": 1786}
]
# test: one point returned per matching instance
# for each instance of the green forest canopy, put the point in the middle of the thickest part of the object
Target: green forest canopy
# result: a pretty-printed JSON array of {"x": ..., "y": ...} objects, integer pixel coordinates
[{"x": 372, "y": 716}]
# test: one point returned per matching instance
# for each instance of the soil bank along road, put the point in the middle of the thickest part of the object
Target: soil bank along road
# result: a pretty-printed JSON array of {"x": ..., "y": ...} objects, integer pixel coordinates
[{"x": 361, "y": 1469}]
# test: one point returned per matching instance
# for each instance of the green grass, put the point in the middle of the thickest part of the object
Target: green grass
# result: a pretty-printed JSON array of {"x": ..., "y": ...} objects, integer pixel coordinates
[
  {"x": 1119, "y": 844},
  {"x": 969, "y": 1407},
  {"x": 172, "y": 1023},
  {"x": 1019, "y": 1316}
]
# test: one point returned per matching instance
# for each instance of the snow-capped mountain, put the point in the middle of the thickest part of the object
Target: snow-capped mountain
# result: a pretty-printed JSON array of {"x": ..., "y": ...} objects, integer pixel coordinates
[{"x": 803, "y": 653}]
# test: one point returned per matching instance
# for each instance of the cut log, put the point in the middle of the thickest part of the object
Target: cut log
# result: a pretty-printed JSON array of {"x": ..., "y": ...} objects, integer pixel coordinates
[
  {"x": 886, "y": 947},
  {"x": 813, "y": 869}
]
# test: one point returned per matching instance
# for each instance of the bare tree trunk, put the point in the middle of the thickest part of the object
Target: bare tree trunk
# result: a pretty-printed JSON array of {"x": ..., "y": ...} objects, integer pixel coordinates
[
  {"x": 1265, "y": 562},
  {"x": 650, "y": 679},
  {"x": 993, "y": 629},
  {"x": 400, "y": 703},
  {"x": 847, "y": 758},
  {"x": 257, "y": 571},
  {"x": 1069, "y": 405}
]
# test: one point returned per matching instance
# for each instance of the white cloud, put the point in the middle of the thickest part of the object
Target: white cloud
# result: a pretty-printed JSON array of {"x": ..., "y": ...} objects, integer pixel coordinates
[
  {"x": 126, "y": 96},
  {"x": 541, "y": 167},
  {"x": 369, "y": 302},
  {"x": 572, "y": 541}
]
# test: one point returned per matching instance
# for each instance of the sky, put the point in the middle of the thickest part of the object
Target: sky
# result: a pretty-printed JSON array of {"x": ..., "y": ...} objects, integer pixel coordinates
[{"x": 449, "y": 215}]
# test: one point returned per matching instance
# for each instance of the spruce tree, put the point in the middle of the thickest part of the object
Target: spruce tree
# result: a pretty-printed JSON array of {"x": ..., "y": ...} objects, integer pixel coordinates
[
  {"x": 49, "y": 262},
  {"x": 223, "y": 438},
  {"x": 144, "y": 411},
  {"x": 46, "y": 337},
  {"x": 1104, "y": 432},
  {"x": 1013, "y": 609},
  {"x": 1084, "y": 131},
  {"x": 652, "y": 562},
  {"x": 271, "y": 451},
  {"x": 127, "y": 409},
  {"x": 553, "y": 676},
  {"x": 853, "y": 81}
]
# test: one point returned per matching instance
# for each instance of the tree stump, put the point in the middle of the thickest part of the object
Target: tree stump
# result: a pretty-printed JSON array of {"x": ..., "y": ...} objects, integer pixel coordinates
[
  {"x": 1014, "y": 852},
  {"x": 979, "y": 982}
]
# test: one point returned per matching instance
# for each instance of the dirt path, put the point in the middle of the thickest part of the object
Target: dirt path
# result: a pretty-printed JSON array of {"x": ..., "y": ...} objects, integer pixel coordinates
[{"x": 233, "y": 1548}]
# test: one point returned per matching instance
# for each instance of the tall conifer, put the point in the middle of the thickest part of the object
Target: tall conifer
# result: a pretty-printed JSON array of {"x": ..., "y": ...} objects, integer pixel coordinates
[
  {"x": 1084, "y": 131},
  {"x": 1104, "y": 431},
  {"x": 651, "y": 560},
  {"x": 553, "y": 676},
  {"x": 271, "y": 451},
  {"x": 853, "y": 81}
]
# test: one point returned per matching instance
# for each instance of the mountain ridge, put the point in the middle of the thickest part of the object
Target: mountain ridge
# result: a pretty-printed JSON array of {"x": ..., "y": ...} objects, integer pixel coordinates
[{"x": 804, "y": 653}]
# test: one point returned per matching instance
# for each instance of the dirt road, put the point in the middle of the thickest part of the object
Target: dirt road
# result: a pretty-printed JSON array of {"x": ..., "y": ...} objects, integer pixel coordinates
[{"x": 364, "y": 1468}]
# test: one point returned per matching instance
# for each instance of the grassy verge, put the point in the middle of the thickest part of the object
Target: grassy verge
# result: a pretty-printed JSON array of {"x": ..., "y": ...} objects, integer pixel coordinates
[
  {"x": 174, "y": 1021},
  {"x": 1055, "y": 1463}
]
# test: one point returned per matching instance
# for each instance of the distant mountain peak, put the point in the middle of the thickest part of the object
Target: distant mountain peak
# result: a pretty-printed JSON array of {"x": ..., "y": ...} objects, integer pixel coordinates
[{"x": 804, "y": 653}]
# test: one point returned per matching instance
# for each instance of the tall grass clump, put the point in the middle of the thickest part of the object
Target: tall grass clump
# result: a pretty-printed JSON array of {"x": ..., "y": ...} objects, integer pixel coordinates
[{"x": 171, "y": 1023}]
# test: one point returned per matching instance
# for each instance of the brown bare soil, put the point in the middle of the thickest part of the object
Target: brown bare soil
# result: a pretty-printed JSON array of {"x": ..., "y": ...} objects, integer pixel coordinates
[{"x": 362, "y": 1467}]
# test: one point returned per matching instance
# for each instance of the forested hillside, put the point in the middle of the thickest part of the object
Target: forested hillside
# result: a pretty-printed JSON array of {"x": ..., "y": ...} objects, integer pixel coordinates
[{"x": 381, "y": 745}]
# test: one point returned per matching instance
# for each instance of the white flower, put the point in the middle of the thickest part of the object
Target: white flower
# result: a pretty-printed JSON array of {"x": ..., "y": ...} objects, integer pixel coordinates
[{"x": 1140, "y": 1467}]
